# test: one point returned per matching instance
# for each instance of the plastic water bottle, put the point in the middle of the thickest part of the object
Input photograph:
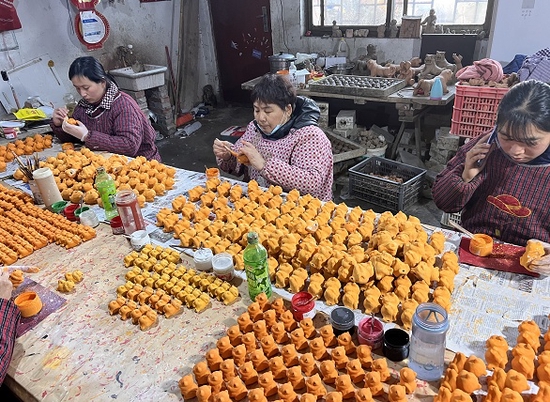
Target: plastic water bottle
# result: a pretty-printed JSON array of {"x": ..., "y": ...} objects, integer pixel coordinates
[
  {"x": 427, "y": 348},
  {"x": 256, "y": 267},
  {"x": 437, "y": 89},
  {"x": 105, "y": 186},
  {"x": 292, "y": 73}
]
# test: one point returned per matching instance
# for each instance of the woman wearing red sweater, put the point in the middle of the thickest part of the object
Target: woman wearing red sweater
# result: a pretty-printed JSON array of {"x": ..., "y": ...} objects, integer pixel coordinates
[
  {"x": 108, "y": 119},
  {"x": 501, "y": 182}
]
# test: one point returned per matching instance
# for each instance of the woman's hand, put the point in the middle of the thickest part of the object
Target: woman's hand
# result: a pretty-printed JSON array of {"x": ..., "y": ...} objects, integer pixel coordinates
[
  {"x": 220, "y": 149},
  {"x": 541, "y": 265},
  {"x": 478, "y": 153},
  {"x": 6, "y": 286},
  {"x": 256, "y": 160},
  {"x": 80, "y": 131},
  {"x": 59, "y": 115}
]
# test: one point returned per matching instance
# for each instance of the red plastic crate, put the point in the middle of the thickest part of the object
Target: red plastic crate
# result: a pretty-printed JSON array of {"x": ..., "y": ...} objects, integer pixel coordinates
[{"x": 475, "y": 109}]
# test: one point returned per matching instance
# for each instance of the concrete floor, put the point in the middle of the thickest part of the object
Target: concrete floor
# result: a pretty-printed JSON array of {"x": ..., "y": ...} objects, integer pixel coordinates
[{"x": 194, "y": 153}]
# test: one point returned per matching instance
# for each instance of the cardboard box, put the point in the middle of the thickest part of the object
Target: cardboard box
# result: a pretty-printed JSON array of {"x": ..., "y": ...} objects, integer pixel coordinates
[{"x": 345, "y": 119}]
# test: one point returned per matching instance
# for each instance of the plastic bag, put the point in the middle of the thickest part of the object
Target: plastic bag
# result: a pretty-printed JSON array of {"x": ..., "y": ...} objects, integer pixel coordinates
[{"x": 30, "y": 114}]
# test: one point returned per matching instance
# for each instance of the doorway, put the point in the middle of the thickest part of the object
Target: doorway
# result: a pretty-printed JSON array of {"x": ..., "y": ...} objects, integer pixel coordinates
[{"x": 242, "y": 36}]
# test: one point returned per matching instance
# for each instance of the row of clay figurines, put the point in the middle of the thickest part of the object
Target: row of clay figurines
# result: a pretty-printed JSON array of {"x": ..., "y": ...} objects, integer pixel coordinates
[{"x": 391, "y": 31}]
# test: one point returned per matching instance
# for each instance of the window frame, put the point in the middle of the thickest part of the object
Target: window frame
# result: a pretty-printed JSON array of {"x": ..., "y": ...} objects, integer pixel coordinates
[{"x": 327, "y": 30}]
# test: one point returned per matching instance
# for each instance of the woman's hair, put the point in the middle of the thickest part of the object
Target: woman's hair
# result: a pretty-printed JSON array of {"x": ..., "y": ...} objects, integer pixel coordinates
[
  {"x": 91, "y": 68},
  {"x": 525, "y": 106},
  {"x": 276, "y": 89}
]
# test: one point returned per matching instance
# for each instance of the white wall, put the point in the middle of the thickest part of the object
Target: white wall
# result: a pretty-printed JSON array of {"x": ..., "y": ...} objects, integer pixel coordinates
[
  {"x": 47, "y": 30},
  {"x": 519, "y": 29}
]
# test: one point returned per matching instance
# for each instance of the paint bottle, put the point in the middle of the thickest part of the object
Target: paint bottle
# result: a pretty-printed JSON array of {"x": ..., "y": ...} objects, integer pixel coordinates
[{"x": 437, "y": 89}]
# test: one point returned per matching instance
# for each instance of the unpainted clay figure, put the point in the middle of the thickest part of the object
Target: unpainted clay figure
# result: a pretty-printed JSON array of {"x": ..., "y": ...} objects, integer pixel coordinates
[
  {"x": 393, "y": 28},
  {"x": 259, "y": 360},
  {"x": 328, "y": 371},
  {"x": 307, "y": 397},
  {"x": 333, "y": 396},
  {"x": 245, "y": 323},
  {"x": 336, "y": 32},
  {"x": 309, "y": 328},
  {"x": 430, "y": 69},
  {"x": 250, "y": 342},
  {"x": 248, "y": 374},
  {"x": 255, "y": 312},
  {"x": 364, "y": 354},
  {"x": 286, "y": 393},
  {"x": 516, "y": 381},
  {"x": 407, "y": 378},
  {"x": 260, "y": 329},
  {"x": 363, "y": 395},
  {"x": 372, "y": 380},
  {"x": 213, "y": 359},
  {"x": 237, "y": 389},
  {"x": 381, "y": 366},
  {"x": 257, "y": 395},
  {"x": 339, "y": 356},
  {"x": 345, "y": 340},
  {"x": 239, "y": 355},
  {"x": 216, "y": 382},
  {"x": 476, "y": 365},
  {"x": 263, "y": 301},
  {"x": 204, "y": 393},
  {"x": 269, "y": 346},
  {"x": 270, "y": 317},
  {"x": 328, "y": 336},
  {"x": 224, "y": 347},
  {"x": 345, "y": 386},
  {"x": 524, "y": 365},
  {"x": 279, "y": 333},
  {"x": 307, "y": 364},
  {"x": 290, "y": 355},
  {"x": 318, "y": 349},
  {"x": 315, "y": 386},
  {"x": 223, "y": 396},
  {"x": 267, "y": 382},
  {"x": 188, "y": 387},
  {"x": 201, "y": 372},
  {"x": 228, "y": 369},
  {"x": 234, "y": 333},
  {"x": 277, "y": 367},
  {"x": 288, "y": 320},
  {"x": 279, "y": 306},
  {"x": 449, "y": 379},
  {"x": 380, "y": 31},
  {"x": 424, "y": 86},
  {"x": 355, "y": 371},
  {"x": 296, "y": 378},
  {"x": 298, "y": 339},
  {"x": 467, "y": 382},
  {"x": 429, "y": 22},
  {"x": 397, "y": 393}
]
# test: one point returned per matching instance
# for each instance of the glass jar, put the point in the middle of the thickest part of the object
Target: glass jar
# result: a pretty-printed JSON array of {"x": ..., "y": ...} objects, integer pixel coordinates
[
  {"x": 427, "y": 350},
  {"x": 129, "y": 211}
]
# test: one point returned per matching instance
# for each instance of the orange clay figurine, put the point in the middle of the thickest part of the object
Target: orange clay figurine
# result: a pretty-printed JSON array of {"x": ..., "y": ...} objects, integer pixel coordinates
[
  {"x": 328, "y": 336},
  {"x": 213, "y": 359},
  {"x": 263, "y": 301},
  {"x": 259, "y": 360},
  {"x": 234, "y": 333},
  {"x": 318, "y": 349},
  {"x": 269, "y": 346},
  {"x": 381, "y": 366},
  {"x": 188, "y": 387},
  {"x": 296, "y": 378},
  {"x": 345, "y": 340},
  {"x": 215, "y": 380},
  {"x": 315, "y": 386},
  {"x": 363, "y": 395},
  {"x": 277, "y": 367},
  {"x": 355, "y": 371},
  {"x": 228, "y": 369},
  {"x": 397, "y": 393},
  {"x": 225, "y": 348},
  {"x": 288, "y": 320},
  {"x": 222, "y": 396},
  {"x": 279, "y": 306},
  {"x": 372, "y": 380},
  {"x": 270, "y": 317},
  {"x": 255, "y": 311},
  {"x": 328, "y": 371},
  {"x": 339, "y": 356},
  {"x": 204, "y": 393},
  {"x": 249, "y": 341},
  {"x": 279, "y": 333},
  {"x": 309, "y": 328},
  {"x": 307, "y": 363},
  {"x": 364, "y": 354},
  {"x": 248, "y": 374},
  {"x": 290, "y": 356},
  {"x": 267, "y": 382},
  {"x": 237, "y": 389},
  {"x": 256, "y": 395},
  {"x": 201, "y": 372},
  {"x": 260, "y": 329},
  {"x": 245, "y": 323},
  {"x": 239, "y": 355},
  {"x": 345, "y": 386},
  {"x": 298, "y": 339},
  {"x": 286, "y": 393},
  {"x": 407, "y": 378}
]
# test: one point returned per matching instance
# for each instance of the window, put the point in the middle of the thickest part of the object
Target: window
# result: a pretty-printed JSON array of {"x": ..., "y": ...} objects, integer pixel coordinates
[{"x": 452, "y": 14}]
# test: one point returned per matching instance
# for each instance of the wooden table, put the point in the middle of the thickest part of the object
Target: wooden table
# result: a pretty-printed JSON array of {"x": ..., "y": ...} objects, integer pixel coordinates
[{"x": 410, "y": 108}]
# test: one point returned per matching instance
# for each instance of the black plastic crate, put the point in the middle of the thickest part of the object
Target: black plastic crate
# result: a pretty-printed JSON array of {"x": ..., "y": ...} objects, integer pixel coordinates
[{"x": 365, "y": 183}]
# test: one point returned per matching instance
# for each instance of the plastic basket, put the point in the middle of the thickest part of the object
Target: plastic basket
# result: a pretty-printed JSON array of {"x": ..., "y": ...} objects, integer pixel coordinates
[
  {"x": 367, "y": 184},
  {"x": 475, "y": 110},
  {"x": 454, "y": 217}
]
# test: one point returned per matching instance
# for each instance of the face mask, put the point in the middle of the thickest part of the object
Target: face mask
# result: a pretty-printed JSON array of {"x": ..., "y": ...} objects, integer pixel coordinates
[{"x": 277, "y": 127}]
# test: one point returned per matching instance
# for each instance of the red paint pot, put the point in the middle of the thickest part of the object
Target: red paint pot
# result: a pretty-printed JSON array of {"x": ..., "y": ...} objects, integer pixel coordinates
[
  {"x": 371, "y": 332},
  {"x": 116, "y": 225},
  {"x": 69, "y": 212},
  {"x": 302, "y": 306}
]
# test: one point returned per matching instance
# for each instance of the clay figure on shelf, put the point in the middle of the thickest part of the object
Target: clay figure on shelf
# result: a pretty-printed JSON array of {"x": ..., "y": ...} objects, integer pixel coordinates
[
  {"x": 429, "y": 22},
  {"x": 424, "y": 86},
  {"x": 430, "y": 69},
  {"x": 376, "y": 70},
  {"x": 380, "y": 31},
  {"x": 336, "y": 32},
  {"x": 441, "y": 61},
  {"x": 407, "y": 72},
  {"x": 393, "y": 28}
]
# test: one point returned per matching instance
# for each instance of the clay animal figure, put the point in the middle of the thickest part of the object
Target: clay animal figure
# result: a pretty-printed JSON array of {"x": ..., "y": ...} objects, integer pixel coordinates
[
  {"x": 376, "y": 70},
  {"x": 424, "y": 86},
  {"x": 441, "y": 61},
  {"x": 407, "y": 72},
  {"x": 430, "y": 69},
  {"x": 416, "y": 61}
]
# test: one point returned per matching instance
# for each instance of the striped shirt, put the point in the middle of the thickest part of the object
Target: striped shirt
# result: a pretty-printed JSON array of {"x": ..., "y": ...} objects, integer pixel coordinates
[
  {"x": 506, "y": 200},
  {"x": 302, "y": 160},
  {"x": 9, "y": 318}
]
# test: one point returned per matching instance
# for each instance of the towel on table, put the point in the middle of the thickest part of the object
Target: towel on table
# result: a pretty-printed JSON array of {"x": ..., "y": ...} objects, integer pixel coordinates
[{"x": 487, "y": 69}]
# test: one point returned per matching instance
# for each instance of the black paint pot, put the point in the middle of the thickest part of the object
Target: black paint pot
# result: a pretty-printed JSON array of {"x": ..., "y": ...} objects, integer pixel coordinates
[{"x": 396, "y": 344}]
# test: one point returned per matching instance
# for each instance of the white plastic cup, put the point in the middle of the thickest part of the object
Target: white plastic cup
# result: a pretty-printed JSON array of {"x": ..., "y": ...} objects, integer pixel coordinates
[
  {"x": 223, "y": 267},
  {"x": 48, "y": 187},
  {"x": 89, "y": 218},
  {"x": 203, "y": 259},
  {"x": 139, "y": 239}
]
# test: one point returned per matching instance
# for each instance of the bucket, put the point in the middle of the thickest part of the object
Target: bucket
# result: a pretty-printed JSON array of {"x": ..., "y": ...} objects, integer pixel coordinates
[{"x": 377, "y": 151}]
